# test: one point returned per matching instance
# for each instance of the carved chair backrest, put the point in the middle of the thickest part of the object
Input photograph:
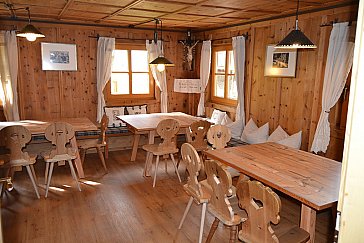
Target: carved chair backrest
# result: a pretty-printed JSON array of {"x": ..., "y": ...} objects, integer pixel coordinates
[
  {"x": 15, "y": 139},
  {"x": 167, "y": 130},
  {"x": 60, "y": 134},
  {"x": 218, "y": 136},
  {"x": 196, "y": 133},
  {"x": 220, "y": 181},
  {"x": 263, "y": 207},
  {"x": 193, "y": 164},
  {"x": 104, "y": 123}
]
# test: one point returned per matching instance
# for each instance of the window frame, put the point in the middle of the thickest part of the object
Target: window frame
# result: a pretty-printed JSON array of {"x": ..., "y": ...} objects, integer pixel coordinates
[
  {"x": 214, "y": 98},
  {"x": 114, "y": 98}
]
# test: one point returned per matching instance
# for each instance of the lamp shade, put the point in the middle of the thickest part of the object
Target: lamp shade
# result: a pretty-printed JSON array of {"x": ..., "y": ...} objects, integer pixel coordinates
[
  {"x": 296, "y": 39},
  {"x": 161, "y": 60},
  {"x": 30, "y": 32}
]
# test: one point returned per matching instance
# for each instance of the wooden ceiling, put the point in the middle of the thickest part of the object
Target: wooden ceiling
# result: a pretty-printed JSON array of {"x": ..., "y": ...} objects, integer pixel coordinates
[{"x": 175, "y": 14}]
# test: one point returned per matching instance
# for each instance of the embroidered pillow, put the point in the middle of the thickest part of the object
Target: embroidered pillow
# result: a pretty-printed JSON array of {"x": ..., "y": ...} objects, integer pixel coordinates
[
  {"x": 253, "y": 135},
  {"x": 137, "y": 109},
  {"x": 226, "y": 120},
  {"x": 217, "y": 116},
  {"x": 278, "y": 135},
  {"x": 112, "y": 113},
  {"x": 293, "y": 141}
]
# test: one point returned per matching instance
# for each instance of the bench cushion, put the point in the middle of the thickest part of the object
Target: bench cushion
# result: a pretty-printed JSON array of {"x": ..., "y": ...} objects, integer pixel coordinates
[{"x": 112, "y": 112}]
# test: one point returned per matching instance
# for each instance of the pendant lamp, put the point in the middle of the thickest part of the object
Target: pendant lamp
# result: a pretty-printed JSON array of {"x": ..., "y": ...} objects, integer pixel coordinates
[
  {"x": 296, "y": 38},
  {"x": 160, "y": 61},
  {"x": 29, "y": 31}
]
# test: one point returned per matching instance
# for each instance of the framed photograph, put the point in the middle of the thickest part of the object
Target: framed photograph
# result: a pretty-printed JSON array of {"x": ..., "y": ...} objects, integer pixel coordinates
[
  {"x": 56, "y": 56},
  {"x": 280, "y": 62}
]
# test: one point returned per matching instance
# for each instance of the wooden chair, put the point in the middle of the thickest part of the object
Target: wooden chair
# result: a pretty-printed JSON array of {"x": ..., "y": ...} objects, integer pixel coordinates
[
  {"x": 263, "y": 207},
  {"x": 99, "y": 143},
  {"x": 223, "y": 207},
  {"x": 60, "y": 134},
  {"x": 218, "y": 136},
  {"x": 167, "y": 129},
  {"x": 15, "y": 139},
  {"x": 199, "y": 192},
  {"x": 196, "y": 136}
]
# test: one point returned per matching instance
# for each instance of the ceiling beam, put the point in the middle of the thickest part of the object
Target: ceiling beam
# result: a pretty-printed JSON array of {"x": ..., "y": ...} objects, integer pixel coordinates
[
  {"x": 129, "y": 6},
  {"x": 64, "y": 9}
]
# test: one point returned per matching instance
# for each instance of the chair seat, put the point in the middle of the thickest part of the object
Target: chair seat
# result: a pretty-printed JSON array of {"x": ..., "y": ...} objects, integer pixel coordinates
[
  {"x": 157, "y": 150},
  {"x": 290, "y": 233},
  {"x": 5, "y": 161},
  {"x": 59, "y": 157},
  {"x": 90, "y": 143},
  {"x": 206, "y": 192}
]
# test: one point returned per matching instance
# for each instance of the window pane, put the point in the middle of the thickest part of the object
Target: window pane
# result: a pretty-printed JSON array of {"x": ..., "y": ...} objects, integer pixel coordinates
[
  {"x": 232, "y": 88},
  {"x": 220, "y": 61},
  {"x": 119, "y": 83},
  {"x": 219, "y": 85},
  {"x": 139, "y": 61},
  {"x": 120, "y": 61},
  {"x": 231, "y": 63},
  {"x": 140, "y": 83}
]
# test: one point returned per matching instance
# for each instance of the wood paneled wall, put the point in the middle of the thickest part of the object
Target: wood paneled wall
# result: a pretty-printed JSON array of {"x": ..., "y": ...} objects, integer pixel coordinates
[
  {"x": 293, "y": 103},
  {"x": 53, "y": 94}
]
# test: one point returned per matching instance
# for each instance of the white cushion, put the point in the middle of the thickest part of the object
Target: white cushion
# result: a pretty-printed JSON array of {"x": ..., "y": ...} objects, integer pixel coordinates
[
  {"x": 293, "y": 141},
  {"x": 226, "y": 120},
  {"x": 253, "y": 135},
  {"x": 137, "y": 109},
  {"x": 112, "y": 112},
  {"x": 236, "y": 128},
  {"x": 217, "y": 116},
  {"x": 278, "y": 135}
]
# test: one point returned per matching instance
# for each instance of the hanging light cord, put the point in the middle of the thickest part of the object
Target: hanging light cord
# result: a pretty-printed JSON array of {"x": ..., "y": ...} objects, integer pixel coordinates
[
  {"x": 298, "y": 3},
  {"x": 27, "y": 8}
]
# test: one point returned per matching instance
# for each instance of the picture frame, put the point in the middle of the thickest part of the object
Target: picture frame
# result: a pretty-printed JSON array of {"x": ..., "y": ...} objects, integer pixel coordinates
[
  {"x": 58, "y": 56},
  {"x": 280, "y": 62}
]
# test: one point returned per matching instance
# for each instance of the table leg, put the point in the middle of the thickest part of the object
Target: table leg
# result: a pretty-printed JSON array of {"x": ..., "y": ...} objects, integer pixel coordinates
[
  {"x": 78, "y": 162},
  {"x": 135, "y": 147},
  {"x": 308, "y": 221},
  {"x": 148, "y": 159}
]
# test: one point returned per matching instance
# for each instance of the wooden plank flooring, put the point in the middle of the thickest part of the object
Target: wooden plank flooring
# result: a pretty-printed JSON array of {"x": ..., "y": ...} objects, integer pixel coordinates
[{"x": 120, "y": 206}]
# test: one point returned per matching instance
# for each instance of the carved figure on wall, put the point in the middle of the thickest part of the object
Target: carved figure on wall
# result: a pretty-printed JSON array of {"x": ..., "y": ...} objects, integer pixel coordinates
[{"x": 189, "y": 50}]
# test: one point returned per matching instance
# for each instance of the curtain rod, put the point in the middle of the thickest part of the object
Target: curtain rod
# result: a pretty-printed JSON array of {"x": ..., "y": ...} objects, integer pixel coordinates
[
  {"x": 336, "y": 21},
  {"x": 124, "y": 38},
  {"x": 246, "y": 35}
]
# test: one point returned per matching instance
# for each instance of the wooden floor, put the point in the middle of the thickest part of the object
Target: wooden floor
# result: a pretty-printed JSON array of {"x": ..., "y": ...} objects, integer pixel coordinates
[{"x": 120, "y": 206}]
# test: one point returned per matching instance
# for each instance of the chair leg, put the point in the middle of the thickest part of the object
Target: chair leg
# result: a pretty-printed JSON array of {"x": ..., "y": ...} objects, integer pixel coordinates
[
  {"x": 106, "y": 151},
  {"x": 46, "y": 173},
  {"x": 33, "y": 171},
  {"x": 203, "y": 215},
  {"x": 83, "y": 155},
  {"x": 233, "y": 231},
  {"x": 49, "y": 177},
  {"x": 155, "y": 170},
  {"x": 175, "y": 167},
  {"x": 186, "y": 212},
  {"x": 30, "y": 173},
  {"x": 102, "y": 158},
  {"x": 212, "y": 230},
  {"x": 73, "y": 173}
]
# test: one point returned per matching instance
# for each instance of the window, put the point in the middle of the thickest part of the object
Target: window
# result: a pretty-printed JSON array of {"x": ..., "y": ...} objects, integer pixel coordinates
[
  {"x": 130, "y": 77},
  {"x": 224, "y": 89}
]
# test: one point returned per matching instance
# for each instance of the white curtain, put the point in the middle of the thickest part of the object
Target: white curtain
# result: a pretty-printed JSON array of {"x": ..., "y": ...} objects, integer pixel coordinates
[
  {"x": 9, "y": 75},
  {"x": 155, "y": 50},
  {"x": 105, "y": 48},
  {"x": 239, "y": 61},
  {"x": 205, "y": 65},
  {"x": 338, "y": 64}
]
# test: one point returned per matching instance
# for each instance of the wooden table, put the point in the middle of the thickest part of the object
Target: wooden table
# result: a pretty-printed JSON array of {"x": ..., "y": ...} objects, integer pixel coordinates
[
  {"x": 38, "y": 128},
  {"x": 311, "y": 179},
  {"x": 147, "y": 124}
]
